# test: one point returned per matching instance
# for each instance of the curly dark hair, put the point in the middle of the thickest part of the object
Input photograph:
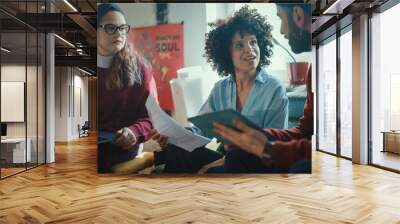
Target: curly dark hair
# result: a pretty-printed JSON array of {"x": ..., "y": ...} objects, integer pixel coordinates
[{"x": 244, "y": 21}]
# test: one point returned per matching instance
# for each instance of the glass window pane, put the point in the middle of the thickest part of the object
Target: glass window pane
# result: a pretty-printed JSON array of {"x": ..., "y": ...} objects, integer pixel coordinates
[
  {"x": 13, "y": 84},
  {"x": 346, "y": 94},
  {"x": 385, "y": 89},
  {"x": 41, "y": 99},
  {"x": 327, "y": 97},
  {"x": 31, "y": 98},
  {"x": 22, "y": 63}
]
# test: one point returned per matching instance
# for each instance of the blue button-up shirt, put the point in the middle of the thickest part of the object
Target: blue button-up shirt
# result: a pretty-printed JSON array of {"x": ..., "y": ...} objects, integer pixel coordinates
[{"x": 266, "y": 106}]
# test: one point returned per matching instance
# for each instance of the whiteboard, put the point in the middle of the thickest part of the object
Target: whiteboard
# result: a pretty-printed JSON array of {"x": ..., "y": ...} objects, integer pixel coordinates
[{"x": 12, "y": 101}]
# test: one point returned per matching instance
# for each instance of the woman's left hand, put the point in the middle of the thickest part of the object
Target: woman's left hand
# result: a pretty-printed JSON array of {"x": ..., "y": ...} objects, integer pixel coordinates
[{"x": 125, "y": 138}]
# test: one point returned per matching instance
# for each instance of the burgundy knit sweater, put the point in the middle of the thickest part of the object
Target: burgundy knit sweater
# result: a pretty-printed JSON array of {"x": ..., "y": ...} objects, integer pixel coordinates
[{"x": 125, "y": 108}]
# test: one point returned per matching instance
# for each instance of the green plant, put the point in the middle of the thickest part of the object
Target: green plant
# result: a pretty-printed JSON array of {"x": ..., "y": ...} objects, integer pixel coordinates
[{"x": 275, "y": 41}]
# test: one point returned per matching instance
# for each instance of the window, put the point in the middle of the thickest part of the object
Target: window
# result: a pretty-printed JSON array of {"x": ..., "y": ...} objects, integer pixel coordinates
[
  {"x": 327, "y": 97},
  {"x": 22, "y": 66},
  {"x": 385, "y": 85},
  {"x": 346, "y": 94}
]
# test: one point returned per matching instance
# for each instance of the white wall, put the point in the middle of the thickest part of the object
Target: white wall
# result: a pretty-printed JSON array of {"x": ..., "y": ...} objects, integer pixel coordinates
[
  {"x": 16, "y": 73},
  {"x": 195, "y": 26},
  {"x": 12, "y": 73},
  {"x": 81, "y": 84},
  {"x": 67, "y": 117},
  {"x": 196, "y": 17},
  {"x": 139, "y": 14},
  {"x": 61, "y": 103},
  {"x": 33, "y": 126}
]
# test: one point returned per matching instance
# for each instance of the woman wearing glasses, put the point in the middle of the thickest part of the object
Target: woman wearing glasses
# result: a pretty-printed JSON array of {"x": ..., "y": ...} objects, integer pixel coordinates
[{"x": 124, "y": 82}]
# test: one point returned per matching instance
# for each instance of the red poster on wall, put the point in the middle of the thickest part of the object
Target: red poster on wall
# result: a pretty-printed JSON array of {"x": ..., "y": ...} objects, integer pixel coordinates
[{"x": 162, "y": 46}]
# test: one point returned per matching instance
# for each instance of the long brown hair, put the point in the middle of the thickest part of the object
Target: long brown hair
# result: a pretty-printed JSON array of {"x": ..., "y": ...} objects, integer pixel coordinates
[{"x": 126, "y": 69}]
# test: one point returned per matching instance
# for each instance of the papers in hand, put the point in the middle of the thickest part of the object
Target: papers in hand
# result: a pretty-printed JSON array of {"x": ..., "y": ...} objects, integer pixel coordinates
[{"x": 167, "y": 126}]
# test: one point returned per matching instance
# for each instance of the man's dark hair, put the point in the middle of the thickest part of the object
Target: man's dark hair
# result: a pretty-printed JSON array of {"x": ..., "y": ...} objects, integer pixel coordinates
[
  {"x": 289, "y": 7},
  {"x": 219, "y": 39},
  {"x": 299, "y": 39}
]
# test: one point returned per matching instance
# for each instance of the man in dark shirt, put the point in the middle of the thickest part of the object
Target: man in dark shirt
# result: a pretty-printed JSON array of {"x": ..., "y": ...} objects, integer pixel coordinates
[{"x": 278, "y": 150}]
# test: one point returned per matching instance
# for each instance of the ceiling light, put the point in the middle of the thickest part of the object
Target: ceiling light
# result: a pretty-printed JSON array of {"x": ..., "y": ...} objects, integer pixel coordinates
[
  {"x": 71, "y": 6},
  {"x": 86, "y": 72},
  {"x": 65, "y": 41},
  {"x": 337, "y": 7},
  {"x": 331, "y": 8},
  {"x": 5, "y": 50}
]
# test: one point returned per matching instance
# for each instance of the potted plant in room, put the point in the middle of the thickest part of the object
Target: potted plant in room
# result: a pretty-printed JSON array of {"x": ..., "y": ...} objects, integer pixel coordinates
[{"x": 297, "y": 70}]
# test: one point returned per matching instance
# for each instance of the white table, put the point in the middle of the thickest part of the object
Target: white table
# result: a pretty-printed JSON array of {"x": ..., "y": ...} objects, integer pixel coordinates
[{"x": 16, "y": 147}]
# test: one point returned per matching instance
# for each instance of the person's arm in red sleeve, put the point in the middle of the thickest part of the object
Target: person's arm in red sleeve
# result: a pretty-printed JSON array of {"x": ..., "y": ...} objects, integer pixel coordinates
[
  {"x": 143, "y": 126},
  {"x": 283, "y": 155},
  {"x": 150, "y": 82},
  {"x": 304, "y": 129},
  {"x": 138, "y": 131},
  {"x": 280, "y": 154},
  {"x": 142, "y": 129}
]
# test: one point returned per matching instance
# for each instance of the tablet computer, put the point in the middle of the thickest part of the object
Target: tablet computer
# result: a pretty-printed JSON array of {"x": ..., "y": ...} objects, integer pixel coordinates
[
  {"x": 226, "y": 117},
  {"x": 106, "y": 137}
]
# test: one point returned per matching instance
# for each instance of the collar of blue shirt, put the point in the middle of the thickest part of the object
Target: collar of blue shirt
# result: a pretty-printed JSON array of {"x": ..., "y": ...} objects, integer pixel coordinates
[{"x": 262, "y": 76}]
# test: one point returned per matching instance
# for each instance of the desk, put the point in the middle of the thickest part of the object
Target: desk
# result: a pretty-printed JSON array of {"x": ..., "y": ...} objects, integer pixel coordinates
[
  {"x": 13, "y": 150},
  {"x": 391, "y": 141}
]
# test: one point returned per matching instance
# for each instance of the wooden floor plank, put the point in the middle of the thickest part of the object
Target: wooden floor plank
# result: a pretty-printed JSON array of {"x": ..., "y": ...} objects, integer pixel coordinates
[{"x": 70, "y": 191}]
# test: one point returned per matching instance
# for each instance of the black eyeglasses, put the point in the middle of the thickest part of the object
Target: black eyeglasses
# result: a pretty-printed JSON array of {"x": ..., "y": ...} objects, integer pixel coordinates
[{"x": 112, "y": 28}]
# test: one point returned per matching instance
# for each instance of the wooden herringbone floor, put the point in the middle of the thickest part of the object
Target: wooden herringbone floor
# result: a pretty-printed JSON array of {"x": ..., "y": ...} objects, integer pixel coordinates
[{"x": 70, "y": 191}]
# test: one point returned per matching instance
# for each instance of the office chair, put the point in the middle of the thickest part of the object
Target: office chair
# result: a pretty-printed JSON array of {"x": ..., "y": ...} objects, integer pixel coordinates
[{"x": 84, "y": 130}]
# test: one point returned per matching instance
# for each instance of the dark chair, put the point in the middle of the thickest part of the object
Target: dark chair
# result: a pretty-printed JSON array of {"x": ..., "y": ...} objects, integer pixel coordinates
[
  {"x": 84, "y": 130},
  {"x": 297, "y": 96}
]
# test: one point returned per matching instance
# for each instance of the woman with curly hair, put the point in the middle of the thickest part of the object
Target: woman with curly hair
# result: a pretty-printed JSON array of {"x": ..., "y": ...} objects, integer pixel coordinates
[{"x": 238, "y": 48}]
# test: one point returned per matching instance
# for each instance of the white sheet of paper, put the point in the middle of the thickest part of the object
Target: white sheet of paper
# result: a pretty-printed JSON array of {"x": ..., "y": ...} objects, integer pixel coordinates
[{"x": 167, "y": 126}]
